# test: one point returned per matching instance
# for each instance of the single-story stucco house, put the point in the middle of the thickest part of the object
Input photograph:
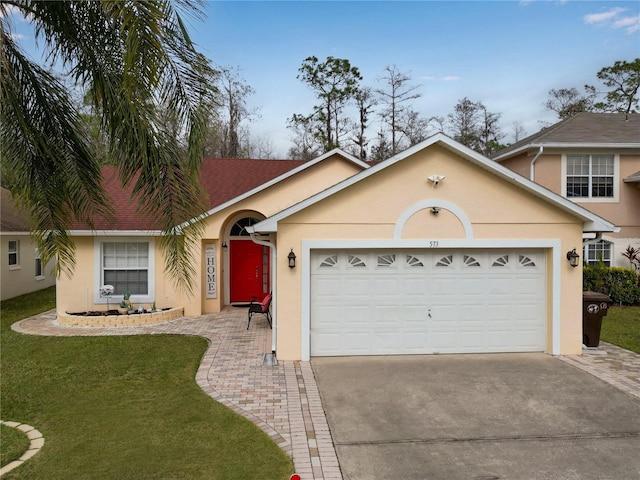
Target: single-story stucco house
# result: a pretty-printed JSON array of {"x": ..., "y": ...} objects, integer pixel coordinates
[
  {"x": 435, "y": 250},
  {"x": 22, "y": 270}
]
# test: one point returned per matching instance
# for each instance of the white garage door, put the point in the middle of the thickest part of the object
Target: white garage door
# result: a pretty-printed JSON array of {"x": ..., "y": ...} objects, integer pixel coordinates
[{"x": 390, "y": 302}]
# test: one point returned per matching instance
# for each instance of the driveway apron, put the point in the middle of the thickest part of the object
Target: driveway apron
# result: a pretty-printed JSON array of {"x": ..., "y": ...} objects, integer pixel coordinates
[{"x": 492, "y": 416}]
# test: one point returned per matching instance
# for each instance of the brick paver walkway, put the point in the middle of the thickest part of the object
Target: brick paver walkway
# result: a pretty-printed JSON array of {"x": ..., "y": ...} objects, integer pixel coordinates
[
  {"x": 614, "y": 365},
  {"x": 283, "y": 400}
]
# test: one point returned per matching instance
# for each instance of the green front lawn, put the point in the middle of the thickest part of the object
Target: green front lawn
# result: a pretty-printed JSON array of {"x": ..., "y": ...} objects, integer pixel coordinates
[
  {"x": 621, "y": 327},
  {"x": 14, "y": 443},
  {"x": 123, "y": 407}
]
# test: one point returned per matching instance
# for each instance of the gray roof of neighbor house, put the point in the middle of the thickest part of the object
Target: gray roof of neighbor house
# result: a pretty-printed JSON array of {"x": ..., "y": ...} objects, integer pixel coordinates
[
  {"x": 617, "y": 130},
  {"x": 12, "y": 219}
]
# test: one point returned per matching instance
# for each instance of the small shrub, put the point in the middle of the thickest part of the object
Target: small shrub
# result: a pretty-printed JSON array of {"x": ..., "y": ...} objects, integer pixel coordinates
[
  {"x": 620, "y": 284},
  {"x": 633, "y": 255},
  {"x": 595, "y": 278}
]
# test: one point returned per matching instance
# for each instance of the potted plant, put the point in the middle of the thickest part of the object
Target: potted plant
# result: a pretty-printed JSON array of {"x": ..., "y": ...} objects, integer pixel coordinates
[{"x": 125, "y": 303}]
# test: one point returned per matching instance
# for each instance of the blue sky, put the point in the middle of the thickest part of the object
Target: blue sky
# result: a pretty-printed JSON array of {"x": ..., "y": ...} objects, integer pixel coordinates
[{"x": 506, "y": 54}]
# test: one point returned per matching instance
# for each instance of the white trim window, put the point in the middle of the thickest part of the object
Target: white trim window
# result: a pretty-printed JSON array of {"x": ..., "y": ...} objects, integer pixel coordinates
[
  {"x": 14, "y": 253},
  {"x": 590, "y": 176},
  {"x": 594, "y": 252},
  {"x": 39, "y": 268},
  {"x": 127, "y": 264}
]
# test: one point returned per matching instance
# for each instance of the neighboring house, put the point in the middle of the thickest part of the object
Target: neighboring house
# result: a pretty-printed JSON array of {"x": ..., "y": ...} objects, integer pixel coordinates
[
  {"x": 435, "y": 250},
  {"x": 22, "y": 269},
  {"x": 592, "y": 159}
]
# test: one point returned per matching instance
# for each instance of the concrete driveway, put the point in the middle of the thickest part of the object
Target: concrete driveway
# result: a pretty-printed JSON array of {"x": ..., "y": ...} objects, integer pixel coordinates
[{"x": 477, "y": 417}]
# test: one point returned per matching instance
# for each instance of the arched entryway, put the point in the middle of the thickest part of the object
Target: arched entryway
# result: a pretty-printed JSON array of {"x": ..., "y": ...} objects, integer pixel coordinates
[{"x": 248, "y": 263}]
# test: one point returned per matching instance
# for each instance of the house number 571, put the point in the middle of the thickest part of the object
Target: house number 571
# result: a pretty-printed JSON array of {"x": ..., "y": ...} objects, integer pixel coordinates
[{"x": 433, "y": 243}]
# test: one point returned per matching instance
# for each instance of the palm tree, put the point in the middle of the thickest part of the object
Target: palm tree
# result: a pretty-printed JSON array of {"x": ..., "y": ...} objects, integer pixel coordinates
[{"x": 136, "y": 62}]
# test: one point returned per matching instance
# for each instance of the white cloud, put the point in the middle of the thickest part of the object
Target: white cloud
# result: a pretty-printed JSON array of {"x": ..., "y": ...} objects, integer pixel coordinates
[
  {"x": 631, "y": 23},
  {"x": 604, "y": 16},
  {"x": 450, "y": 78}
]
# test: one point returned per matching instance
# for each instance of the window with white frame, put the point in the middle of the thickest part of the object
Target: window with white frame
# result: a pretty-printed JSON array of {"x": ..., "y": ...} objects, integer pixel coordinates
[
  {"x": 590, "y": 176},
  {"x": 125, "y": 265},
  {"x": 39, "y": 270},
  {"x": 595, "y": 252},
  {"x": 14, "y": 253}
]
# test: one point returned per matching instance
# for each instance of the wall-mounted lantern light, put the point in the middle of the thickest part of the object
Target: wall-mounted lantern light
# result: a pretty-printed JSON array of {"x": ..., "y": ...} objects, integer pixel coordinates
[
  {"x": 573, "y": 258},
  {"x": 435, "y": 210},
  {"x": 224, "y": 245},
  {"x": 292, "y": 259}
]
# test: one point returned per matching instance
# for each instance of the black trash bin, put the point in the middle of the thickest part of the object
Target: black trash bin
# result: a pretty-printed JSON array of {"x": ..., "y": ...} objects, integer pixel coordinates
[{"x": 594, "y": 306}]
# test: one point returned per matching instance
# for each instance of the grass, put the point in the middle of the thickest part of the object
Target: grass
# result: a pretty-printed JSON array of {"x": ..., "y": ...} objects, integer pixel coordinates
[
  {"x": 621, "y": 327},
  {"x": 123, "y": 407},
  {"x": 14, "y": 444}
]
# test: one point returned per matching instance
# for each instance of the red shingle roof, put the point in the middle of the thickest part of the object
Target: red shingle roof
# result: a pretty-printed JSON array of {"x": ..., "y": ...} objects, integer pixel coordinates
[
  {"x": 222, "y": 178},
  {"x": 12, "y": 218}
]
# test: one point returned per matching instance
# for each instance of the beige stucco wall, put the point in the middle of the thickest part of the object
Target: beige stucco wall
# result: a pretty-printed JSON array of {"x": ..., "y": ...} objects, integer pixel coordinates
[
  {"x": 20, "y": 279},
  {"x": 624, "y": 213},
  {"x": 263, "y": 204},
  {"x": 77, "y": 293},
  {"x": 371, "y": 208}
]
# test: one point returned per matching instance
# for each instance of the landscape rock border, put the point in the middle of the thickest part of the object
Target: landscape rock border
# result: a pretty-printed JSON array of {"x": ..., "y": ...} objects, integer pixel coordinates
[
  {"x": 37, "y": 441},
  {"x": 134, "y": 320}
]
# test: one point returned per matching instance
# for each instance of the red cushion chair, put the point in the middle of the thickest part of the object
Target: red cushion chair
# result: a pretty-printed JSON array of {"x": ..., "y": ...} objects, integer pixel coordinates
[{"x": 262, "y": 307}]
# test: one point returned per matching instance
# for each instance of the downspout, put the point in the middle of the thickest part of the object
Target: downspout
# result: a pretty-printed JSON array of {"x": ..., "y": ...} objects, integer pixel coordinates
[
  {"x": 595, "y": 239},
  {"x": 532, "y": 170},
  {"x": 274, "y": 307}
]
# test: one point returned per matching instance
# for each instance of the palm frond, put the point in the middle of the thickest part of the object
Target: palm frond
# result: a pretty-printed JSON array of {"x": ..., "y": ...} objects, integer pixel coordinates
[
  {"x": 46, "y": 160},
  {"x": 134, "y": 58}
]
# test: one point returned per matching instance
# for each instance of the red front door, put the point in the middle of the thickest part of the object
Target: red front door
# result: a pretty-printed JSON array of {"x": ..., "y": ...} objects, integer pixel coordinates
[{"x": 249, "y": 270}]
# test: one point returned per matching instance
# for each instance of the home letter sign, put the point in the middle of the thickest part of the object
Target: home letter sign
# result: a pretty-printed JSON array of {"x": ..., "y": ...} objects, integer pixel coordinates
[{"x": 210, "y": 271}]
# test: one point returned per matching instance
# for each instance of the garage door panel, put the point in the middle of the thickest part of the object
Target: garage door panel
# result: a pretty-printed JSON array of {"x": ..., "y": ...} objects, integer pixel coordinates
[
  {"x": 473, "y": 286},
  {"x": 415, "y": 286},
  {"x": 473, "y": 339},
  {"x": 502, "y": 285},
  {"x": 414, "y": 317},
  {"x": 356, "y": 285},
  {"x": 444, "y": 285},
  {"x": 324, "y": 286},
  {"x": 415, "y": 342},
  {"x": 355, "y": 316},
  {"x": 386, "y": 286},
  {"x": 385, "y": 316},
  {"x": 503, "y": 311},
  {"x": 442, "y": 340},
  {"x": 331, "y": 343},
  {"x": 443, "y": 313},
  {"x": 386, "y": 340},
  {"x": 357, "y": 343},
  {"x": 422, "y": 301},
  {"x": 331, "y": 316}
]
